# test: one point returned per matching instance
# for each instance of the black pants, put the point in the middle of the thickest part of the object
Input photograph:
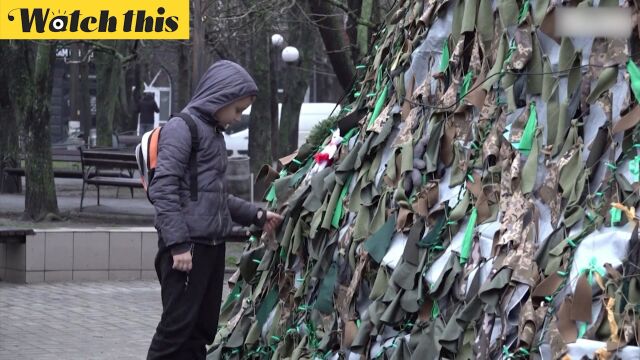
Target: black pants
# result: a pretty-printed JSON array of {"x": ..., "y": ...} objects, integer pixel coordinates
[{"x": 190, "y": 308}]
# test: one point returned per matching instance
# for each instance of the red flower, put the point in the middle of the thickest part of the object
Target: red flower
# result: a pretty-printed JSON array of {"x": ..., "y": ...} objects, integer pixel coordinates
[{"x": 321, "y": 157}]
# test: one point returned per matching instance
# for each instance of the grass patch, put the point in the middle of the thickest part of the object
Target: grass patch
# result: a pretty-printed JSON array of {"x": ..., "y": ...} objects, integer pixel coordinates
[
  {"x": 231, "y": 261},
  {"x": 59, "y": 165}
]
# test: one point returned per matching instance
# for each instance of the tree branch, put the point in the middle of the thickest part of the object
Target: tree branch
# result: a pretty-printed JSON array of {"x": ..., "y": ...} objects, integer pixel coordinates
[
  {"x": 351, "y": 14},
  {"x": 333, "y": 41}
]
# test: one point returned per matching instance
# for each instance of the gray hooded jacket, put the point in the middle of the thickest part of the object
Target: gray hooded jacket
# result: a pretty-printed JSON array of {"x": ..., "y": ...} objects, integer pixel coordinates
[{"x": 179, "y": 220}]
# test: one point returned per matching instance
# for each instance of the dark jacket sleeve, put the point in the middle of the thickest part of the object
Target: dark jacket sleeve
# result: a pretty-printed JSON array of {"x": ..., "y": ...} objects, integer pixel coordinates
[
  {"x": 242, "y": 211},
  {"x": 155, "y": 107},
  {"x": 173, "y": 157}
]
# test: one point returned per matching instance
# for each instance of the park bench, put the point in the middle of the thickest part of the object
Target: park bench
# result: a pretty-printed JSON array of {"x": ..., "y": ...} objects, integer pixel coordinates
[
  {"x": 60, "y": 155},
  {"x": 108, "y": 168},
  {"x": 127, "y": 139}
]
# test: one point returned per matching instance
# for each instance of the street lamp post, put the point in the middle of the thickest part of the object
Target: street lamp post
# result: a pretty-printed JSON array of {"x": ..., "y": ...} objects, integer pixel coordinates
[
  {"x": 276, "y": 42},
  {"x": 289, "y": 55}
]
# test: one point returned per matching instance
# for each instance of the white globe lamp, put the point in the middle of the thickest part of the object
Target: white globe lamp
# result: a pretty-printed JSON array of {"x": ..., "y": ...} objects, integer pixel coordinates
[
  {"x": 290, "y": 54},
  {"x": 277, "y": 40}
]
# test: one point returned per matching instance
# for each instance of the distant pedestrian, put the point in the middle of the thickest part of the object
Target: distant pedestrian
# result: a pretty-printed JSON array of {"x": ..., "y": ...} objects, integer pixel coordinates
[
  {"x": 147, "y": 106},
  {"x": 191, "y": 256}
]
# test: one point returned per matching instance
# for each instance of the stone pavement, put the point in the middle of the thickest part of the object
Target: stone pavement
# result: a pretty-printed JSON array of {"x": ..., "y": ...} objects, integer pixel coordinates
[{"x": 67, "y": 321}]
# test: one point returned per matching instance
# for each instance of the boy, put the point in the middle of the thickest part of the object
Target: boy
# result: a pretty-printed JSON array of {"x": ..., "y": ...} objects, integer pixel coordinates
[{"x": 190, "y": 260}]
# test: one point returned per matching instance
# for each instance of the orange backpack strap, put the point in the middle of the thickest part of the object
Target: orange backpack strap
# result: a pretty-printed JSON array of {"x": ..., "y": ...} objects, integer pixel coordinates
[{"x": 152, "y": 159}]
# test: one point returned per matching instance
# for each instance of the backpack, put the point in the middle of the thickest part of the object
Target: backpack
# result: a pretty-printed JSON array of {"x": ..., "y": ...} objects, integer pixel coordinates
[{"x": 147, "y": 155}]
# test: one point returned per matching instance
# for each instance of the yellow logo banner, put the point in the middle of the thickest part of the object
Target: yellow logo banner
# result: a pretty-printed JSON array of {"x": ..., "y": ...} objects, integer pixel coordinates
[{"x": 75, "y": 20}]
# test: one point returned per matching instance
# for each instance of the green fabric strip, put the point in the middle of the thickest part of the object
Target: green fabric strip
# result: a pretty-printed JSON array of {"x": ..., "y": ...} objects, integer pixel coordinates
[
  {"x": 575, "y": 77},
  {"x": 530, "y": 168},
  {"x": 562, "y": 126},
  {"x": 485, "y": 21},
  {"x": 380, "y": 284},
  {"x": 300, "y": 174},
  {"x": 524, "y": 10},
  {"x": 406, "y": 162},
  {"x": 467, "y": 241},
  {"x": 567, "y": 54},
  {"x": 606, "y": 80},
  {"x": 267, "y": 305},
  {"x": 379, "y": 105},
  {"x": 444, "y": 60},
  {"x": 534, "y": 82},
  {"x": 431, "y": 156},
  {"x": 634, "y": 78},
  {"x": 378, "y": 244},
  {"x": 552, "y": 119},
  {"x": 508, "y": 10},
  {"x": 271, "y": 194},
  {"x": 466, "y": 84},
  {"x": 460, "y": 210},
  {"x": 497, "y": 65},
  {"x": 549, "y": 82},
  {"x": 324, "y": 301},
  {"x": 469, "y": 16},
  {"x": 540, "y": 11},
  {"x": 337, "y": 215},
  {"x": 432, "y": 238},
  {"x": 456, "y": 24},
  {"x": 526, "y": 142},
  {"x": 361, "y": 228},
  {"x": 232, "y": 299},
  {"x": 351, "y": 133},
  {"x": 570, "y": 173}
]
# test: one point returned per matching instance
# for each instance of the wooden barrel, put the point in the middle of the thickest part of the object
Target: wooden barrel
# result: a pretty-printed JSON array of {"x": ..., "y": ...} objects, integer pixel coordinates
[{"x": 239, "y": 177}]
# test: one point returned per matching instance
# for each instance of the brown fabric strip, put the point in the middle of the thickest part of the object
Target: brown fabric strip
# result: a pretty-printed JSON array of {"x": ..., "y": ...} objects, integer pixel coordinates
[
  {"x": 581, "y": 310},
  {"x": 628, "y": 121}
]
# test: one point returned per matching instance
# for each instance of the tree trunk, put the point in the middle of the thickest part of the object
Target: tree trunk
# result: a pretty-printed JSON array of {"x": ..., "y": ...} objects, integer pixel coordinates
[
  {"x": 40, "y": 198},
  {"x": 85, "y": 97},
  {"x": 9, "y": 145},
  {"x": 364, "y": 32},
  {"x": 137, "y": 93},
  {"x": 260, "y": 122},
  {"x": 352, "y": 28},
  {"x": 127, "y": 119},
  {"x": 333, "y": 34},
  {"x": 297, "y": 81},
  {"x": 198, "y": 44},
  {"x": 108, "y": 68},
  {"x": 184, "y": 85}
]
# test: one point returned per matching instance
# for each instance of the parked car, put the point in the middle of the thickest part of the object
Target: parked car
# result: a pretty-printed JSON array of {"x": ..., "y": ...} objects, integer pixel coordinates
[{"x": 237, "y": 137}]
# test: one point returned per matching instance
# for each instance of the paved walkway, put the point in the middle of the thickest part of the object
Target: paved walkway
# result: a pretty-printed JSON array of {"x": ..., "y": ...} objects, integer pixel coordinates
[{"x": 93, "y": 320}]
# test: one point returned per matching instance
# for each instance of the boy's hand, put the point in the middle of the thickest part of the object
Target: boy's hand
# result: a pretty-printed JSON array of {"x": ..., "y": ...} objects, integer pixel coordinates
[
  {"x": 182, "y": 262},
  {"x": 272, "y": 223}
]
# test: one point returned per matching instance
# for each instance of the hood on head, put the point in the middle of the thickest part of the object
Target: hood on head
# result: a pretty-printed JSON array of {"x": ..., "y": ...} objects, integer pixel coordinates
[{"x": 223, "y": 83}]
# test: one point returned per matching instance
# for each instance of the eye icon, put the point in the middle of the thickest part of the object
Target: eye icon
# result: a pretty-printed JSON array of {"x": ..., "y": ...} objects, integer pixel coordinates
[{"x": 58, "y": 24}]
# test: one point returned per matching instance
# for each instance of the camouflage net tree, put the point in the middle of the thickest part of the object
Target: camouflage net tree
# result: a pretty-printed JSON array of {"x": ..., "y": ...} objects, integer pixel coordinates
[{"x": 476, "y": 200}]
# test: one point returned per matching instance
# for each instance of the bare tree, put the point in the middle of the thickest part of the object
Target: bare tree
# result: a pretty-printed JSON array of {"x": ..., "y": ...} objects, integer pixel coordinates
[
  {"x": 111, "y": 99},
  {"x": 9, "y": 146},
  {"x": 31, "y": 84}
]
